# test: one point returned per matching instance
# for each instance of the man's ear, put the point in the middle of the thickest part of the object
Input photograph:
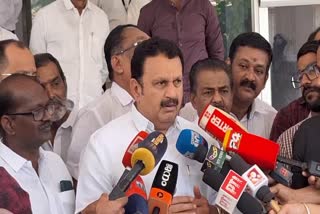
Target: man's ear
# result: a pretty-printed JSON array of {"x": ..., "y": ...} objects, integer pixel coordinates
[
  {"x": 135, "y": 89},
  {"x": 116, "y": 64},
  {"x": 8, "y": 125},
  {"x": 228, "y": 61}
]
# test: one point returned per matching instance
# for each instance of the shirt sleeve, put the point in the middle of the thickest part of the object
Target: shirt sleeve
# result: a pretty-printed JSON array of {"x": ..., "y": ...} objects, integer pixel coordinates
[
  {"x": 38, "y": 34},
  {"x": 214, "y": 40},
  {"x": 81, "y": 133},
  {"x": 145, "y": 21},
  {"x": 94, "y": 175}
]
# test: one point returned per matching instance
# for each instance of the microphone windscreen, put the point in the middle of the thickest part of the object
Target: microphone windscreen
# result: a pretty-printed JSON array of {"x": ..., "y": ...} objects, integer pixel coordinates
[
  {"x": 216, "y": 122},
  {"x": 214, "y": 179},
  {"x": 163, "y": 187},
  {"x": 126, "y": 160},
  {"x": 192, "y": 145},
  {"x": 150, "y": 151},
  {"x": 238, "y": 164},
  {"x": 252, "y": 148}
]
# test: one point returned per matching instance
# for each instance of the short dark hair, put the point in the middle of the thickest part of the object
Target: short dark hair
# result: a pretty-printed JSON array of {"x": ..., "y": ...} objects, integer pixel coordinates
[
  {"x": 113, "y": 44},
  {"x": 308, "y": 47},
  {"x": 44, "y": 59},
  {"x": 312, "y": 36},
  {"x": 8, "y": 101},
  {"x": 208, "y": 64},
  {"x": 3, "y": 45},
  {"x": 151, "y": 48},
  {"x": 252, "y": 40}
]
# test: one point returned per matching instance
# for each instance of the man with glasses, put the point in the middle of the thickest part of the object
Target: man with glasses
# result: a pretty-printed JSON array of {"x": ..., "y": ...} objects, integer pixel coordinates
[
  {"x": 15, "y": 58},
  {"x": 116, "y": 101},
  {"x": 307, "y": 79},
  {"x": 25, "y": 116}
]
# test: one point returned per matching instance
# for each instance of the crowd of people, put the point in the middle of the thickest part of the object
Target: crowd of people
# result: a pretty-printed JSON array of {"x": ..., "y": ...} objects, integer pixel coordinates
[{"x": 97, "y": 73}]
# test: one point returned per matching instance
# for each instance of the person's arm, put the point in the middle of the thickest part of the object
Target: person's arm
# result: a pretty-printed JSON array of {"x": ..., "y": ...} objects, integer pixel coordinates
[
  {"x": 298, "y": 208},
  {"x": 145, "y": 21},
  {"x": 213, "y": 36},
  {"x": 287, "y": 195},
  {"x": 104, "y": 206},
  {"x": 38, "y": 43}
]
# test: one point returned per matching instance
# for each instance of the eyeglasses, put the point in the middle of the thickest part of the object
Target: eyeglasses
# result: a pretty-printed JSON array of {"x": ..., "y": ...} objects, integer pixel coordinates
[
  {"x": 39, "y": 113},
  {"x": 312, "y": 71},
  {"x": 129, "y": 48}
]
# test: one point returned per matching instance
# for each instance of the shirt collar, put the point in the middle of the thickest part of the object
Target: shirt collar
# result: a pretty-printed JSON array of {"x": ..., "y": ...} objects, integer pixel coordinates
[
  {"x": 14, "y": 160},
  {"x": 68, "y": 4},
  {"x": 70, "y": 120},
  {"x": 257, "y": 107},
  {"x": 123, "y": 96},
  {"x": 143, "y": 123}
]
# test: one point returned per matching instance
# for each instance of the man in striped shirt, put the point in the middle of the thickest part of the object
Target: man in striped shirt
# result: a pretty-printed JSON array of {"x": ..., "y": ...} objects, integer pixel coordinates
[{"x": 308, "y": 79}]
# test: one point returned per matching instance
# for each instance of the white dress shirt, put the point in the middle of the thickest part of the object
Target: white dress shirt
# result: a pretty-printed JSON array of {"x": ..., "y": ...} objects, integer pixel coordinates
[
  {"x": 121, "y": 12},
  {"x": 62, "y": 140},
  {"x": 77, "y": 41},
  {"x": 260, "y": 119},
  {"x": 4, "y": 35},
  {"x": 9, "y": 13},
  {"x": 101, "y": 163},
  {"x": 43, "y": 188},
  {"x": 113, "y": 103}
]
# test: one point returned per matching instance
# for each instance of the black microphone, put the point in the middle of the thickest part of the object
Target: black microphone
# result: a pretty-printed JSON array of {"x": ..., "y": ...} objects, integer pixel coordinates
[
  {"x": 312, "y": 167},
  {"x": 246, "y": 204},
  {"x": 163, "y": 187}
]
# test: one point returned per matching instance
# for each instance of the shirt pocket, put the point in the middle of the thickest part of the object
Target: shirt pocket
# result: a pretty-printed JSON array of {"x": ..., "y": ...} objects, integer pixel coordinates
[
  {"x": 96, "y": 46},
  {"x": 67, "y": 201}
]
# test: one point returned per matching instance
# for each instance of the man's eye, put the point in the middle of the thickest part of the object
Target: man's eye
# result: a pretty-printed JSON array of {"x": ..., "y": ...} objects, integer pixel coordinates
[
  {"x": 243, "y": 66},
  {"x": 161, "y": 83},
  {"x": 177, "y": 82}
]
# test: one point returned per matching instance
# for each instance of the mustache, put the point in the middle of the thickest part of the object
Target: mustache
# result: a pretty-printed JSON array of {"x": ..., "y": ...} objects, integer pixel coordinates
[
  {"x": 169, "y": 102},
  {"x": 45, "y": 125},
  {"x": 249, "y": 84},
  {"x": 308, "y": 89}
]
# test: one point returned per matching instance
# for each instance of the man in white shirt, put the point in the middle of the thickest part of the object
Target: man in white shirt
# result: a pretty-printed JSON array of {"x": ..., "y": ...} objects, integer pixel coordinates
[
  {"x": 157, "y": 88},
  {"x": 15, "y": 57},
  {"x": 5, "y": 34},
  {"x": 116, "y": 101},
  {"x": 250, "y": 57},
  {"x": 51, "y": 77},
  {"x": 74, "y": 32},
  {"x": 25, "y": 114},
  {"x": 9, "y": 13},
  {"x": 121, "y": 12}
]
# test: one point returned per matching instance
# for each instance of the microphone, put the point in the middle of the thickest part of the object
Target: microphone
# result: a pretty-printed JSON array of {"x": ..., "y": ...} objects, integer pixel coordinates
[
  {"x": 126, "y": 160},
  {"x": 253, "y": 149},
  {"x": 137, "y": 198},
  {"x": 312, "y": 167},
  {"x": 256, "y": 179},
  {"x": 143, "y": 161},
  {"x": 192, "y": 145},
  {"x": 246, "y": 204},
  {"x": 281, "y": 175},
  {"x": 216, "y": 122},
  {"x": 163, "y": 188}
]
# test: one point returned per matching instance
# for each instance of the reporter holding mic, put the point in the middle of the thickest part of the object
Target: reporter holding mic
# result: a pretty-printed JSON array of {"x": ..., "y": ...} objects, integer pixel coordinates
[{"x": 104, "y": 206}]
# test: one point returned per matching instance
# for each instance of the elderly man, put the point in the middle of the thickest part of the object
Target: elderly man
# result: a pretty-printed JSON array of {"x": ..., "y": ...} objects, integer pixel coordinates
[
  {"x": 157, "y": 87},
  {"x": 25, "y": 114},
  {"x": 116, "y": 101}
]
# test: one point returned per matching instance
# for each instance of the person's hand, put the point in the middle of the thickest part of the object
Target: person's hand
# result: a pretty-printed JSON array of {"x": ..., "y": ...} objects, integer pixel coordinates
[
  {"x": 105, "y": 206},
  {"x": 3, "y": 211},
  {"x": 200, "y": 201},
  {"x": 296, "y": 208},
  {"x": 183, "y": 204},
  {"x": 283, "y": 194},
  {"x": 312, "y": 180}
]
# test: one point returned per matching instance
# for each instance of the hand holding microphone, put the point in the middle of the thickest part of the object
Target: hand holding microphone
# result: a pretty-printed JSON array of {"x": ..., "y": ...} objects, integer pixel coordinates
[{"x": 105, "y": 206}]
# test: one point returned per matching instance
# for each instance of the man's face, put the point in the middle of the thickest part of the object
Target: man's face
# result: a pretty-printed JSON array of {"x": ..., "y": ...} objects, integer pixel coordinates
[
  {"x": 49, "y": 76},
  {"x": 310, "y": 88},
  {"x": 18, "y": 60},
  {"x": 159, "y": 94},
  {"x": 132, "y": 36},
  {"x": 212, "y": 87},
  {"x": 27, "y": 130},
  {"x": 249, "y": 70}
]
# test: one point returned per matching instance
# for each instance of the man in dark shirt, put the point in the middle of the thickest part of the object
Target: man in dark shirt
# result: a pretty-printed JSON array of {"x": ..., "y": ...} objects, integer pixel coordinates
[{"x": 192, "y": 24}]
